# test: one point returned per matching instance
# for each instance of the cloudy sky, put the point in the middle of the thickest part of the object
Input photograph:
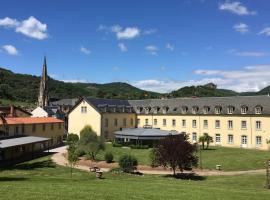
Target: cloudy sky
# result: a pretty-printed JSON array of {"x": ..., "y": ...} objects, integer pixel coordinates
[{"x": 154, "y": 45}]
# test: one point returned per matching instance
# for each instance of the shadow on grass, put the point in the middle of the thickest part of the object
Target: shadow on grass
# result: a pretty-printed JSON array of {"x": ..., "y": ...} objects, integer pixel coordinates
[
  {"x": 34, "y": 165},
  {"x": 9, "y": 179},
  {"x": 209, "y": 149},
  {"x": 186, "y": 176}
]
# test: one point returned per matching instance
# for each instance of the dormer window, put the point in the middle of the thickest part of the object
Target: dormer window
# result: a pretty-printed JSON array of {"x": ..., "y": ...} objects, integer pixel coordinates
[
  {"x": 165, "y": 109},
  {"x": 184, "y": 109},
  {"x": 230, "y": 110},
  {"x": 258, "y": 110},
  {"x": 195, "y": 109},
  {"x": 146, "y": 110},
  {"x": 138, "y": 110},
  {"x": 244, "y": 109},
  {"x": 218, "y": 110},
  {"x": 206, "y": 109},
  {"x": 156, "y": 109}
]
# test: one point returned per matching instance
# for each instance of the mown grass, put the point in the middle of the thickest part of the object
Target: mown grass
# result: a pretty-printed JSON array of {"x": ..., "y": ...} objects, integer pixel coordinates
[
  {"x": 231, "y": 159},
  {"x": 41, "y": 179}
]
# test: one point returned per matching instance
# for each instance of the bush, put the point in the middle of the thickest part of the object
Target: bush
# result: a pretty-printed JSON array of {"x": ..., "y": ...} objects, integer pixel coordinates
[
  {"x": 108, "y": 157},
  {"x": 115, "y": 144},
  {"x": 128, "y": 163}
]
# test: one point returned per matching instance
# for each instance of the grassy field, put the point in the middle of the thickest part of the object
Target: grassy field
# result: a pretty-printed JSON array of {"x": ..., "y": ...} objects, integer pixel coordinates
[
  {"x": 6, "y": 102},
  {"x": 41, "y": 179},
  {"x": 231, "y": 159}
]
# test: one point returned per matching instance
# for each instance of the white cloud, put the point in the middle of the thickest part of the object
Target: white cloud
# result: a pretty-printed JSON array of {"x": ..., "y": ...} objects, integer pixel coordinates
[
  {"x": 125, "y": 33},
  {"x": 152, "y": 49},
  {"x": 252, "y": 53},
  {"x": 169, "y": 47},
  {"x": 75, "y": 81},
  {"x": 85, "y": 50},
  {"x": 248, "y": 78},
  {"x": 30, "y": 27},
  {"x": 128, "y": 33},
  {"x": 236, "y": 8},
  {"x": 122, "y": 47},
  {"x": 10, "y": 49},
  {"x": 149, "y": 31},
  {"x": 265, "y": 31},
  {"x": 241, "y": 28}
]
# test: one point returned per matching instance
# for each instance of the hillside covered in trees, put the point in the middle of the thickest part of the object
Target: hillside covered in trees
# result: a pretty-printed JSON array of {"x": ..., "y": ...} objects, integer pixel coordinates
[{"x": 24, "y": 88}]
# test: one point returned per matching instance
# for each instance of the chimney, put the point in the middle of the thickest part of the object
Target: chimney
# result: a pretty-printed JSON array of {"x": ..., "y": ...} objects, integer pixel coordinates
[{"x": 12, "y": 111}]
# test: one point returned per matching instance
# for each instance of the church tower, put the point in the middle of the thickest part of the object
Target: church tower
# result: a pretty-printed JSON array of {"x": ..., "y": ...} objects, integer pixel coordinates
[{"x": 43, "y": 98}]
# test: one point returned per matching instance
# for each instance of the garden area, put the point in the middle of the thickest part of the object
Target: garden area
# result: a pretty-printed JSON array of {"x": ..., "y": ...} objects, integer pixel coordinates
[
  {"x": 230, "y": 159},
  {"x": 42, "y": 179}
]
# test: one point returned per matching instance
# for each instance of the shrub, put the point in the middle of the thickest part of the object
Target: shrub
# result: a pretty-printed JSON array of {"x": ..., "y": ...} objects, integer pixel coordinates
[
  {"x": 115, "y": 144},
  {"x": 108, "y": 157},
  {"x": 128, "y": 163},
  {"x": 133, "y": 146}
]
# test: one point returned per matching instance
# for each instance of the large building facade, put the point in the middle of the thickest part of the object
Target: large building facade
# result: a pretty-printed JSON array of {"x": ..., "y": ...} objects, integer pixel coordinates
[{"x": 231, "y": 121}]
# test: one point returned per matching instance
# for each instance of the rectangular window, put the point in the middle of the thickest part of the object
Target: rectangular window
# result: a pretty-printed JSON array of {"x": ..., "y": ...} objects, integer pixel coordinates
[
  {"x": 164, "y": 122},
  {"x": 194, "y": 137},
  {"x": 258, "y": 125},
  {"x": 244, "y": 124},
  {"x": 217, "y": 124},
  {"x": 244, "y": 140},
  {"x": 59, "y": 125},
  {"x": 52, "y": 126},
  {"x": 173, "y": 122},
  {"x": 155, "y": 122},
  {"x": 184, "y": 123},
  {"x": 146, "y": 122},
  {"x": 230, "y": 139},
  {"x": 131, "y": 122},
  {"x": 124, "y": 122},
  {"x": 194, "y": 123},
  {"x": 230, "y": 124},
  {"x": 106, "y": 122},
  {"x": 205, "y": 124},
  {"x": 138, "y": 121},
  {"x": 43, "y": 127},
  {"x": 218, "y": 139},
  {"x": 83, "y": 109},
  {"x": 258, "y": 140},
  {"x": 115, "y": 122}
]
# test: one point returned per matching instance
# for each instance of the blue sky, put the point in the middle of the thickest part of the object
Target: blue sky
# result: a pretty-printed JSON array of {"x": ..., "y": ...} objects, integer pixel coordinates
[{"x": 154, "y": 45}]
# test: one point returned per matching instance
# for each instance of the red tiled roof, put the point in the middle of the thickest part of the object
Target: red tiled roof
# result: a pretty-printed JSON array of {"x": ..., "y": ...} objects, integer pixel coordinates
[{"x": 31, "y": 120}]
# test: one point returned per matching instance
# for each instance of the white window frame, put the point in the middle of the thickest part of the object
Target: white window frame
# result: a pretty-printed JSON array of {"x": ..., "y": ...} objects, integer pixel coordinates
[
  {"x": 230, "y": 139},
  {"x": 258, "y": 110},
  {"x": 258, "y": 144},
  {"x": 194, "y": 137},
  {"x": 244, "y": 110},
  {"x": 258, "y": 125},
  {"x": 242, "y": 123},
  {"x": 164, "y": 122},
  {"x": 217, "y": 122},
  {"x": 194, "y": 123},
  {"x": 217, "y": 138},
  {"x": 173, "y": 122},
  {"x": 205, "y": 123},
  {"x": 184, "y": 123},
  {"x": 230, "y": 124},
  {"x": 244, "y": 140}
]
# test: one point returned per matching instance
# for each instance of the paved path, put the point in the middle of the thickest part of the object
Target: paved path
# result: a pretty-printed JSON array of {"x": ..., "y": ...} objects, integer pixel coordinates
[{"x": 59, "y": 159}]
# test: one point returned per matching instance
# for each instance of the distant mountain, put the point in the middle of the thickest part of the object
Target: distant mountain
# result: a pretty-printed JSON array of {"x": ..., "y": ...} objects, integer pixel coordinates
[
  {"x": 24, "y": 88},
  {"x": 208, "y": 90}
]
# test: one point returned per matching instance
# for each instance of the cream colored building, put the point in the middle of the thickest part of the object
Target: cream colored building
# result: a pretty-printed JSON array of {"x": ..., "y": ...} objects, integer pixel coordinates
[{"x": 231, "y": 121}]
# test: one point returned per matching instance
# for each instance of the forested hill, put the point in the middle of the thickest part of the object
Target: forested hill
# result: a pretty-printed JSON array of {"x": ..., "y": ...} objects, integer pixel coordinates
[{"x": 24, "y": 88}]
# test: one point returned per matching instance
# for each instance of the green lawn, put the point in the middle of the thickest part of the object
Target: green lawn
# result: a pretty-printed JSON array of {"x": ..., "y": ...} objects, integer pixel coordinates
[
  {"x": 230, "y": 159},
  {"x": 41, "y": 179}
]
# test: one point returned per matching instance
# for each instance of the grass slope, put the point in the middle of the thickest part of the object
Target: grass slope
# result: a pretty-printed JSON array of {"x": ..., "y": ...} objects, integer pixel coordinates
[
  {"x": 231, "y": 159},
  {"x": 41, "y": 179}
]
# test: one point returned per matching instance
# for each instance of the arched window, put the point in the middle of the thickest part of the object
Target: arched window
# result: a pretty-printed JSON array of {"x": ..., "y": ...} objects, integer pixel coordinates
[
  {"x": 244, "y": 109},
  {"x": 218, "y": 110},
  {"x": 230, "y": 109},
  {"x": 206, "y": 109},
  {"x": 195, "y": 109},
  {"x": 258, "y": 109},
  {"x": 184, "y": 109}
]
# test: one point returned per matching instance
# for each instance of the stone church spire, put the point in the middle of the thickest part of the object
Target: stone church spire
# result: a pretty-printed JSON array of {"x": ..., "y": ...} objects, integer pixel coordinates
[{"x": 43, "y": 97}]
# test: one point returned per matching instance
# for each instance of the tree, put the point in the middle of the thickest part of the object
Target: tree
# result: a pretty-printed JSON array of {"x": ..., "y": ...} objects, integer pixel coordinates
[
  {"x": 90, "y": 143},
  {"x": 73, "y": 156},
  {"x": 175, "y": 151},
  {"x": 72, "y": 138},
  {"x": 205, "y": 138}
]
